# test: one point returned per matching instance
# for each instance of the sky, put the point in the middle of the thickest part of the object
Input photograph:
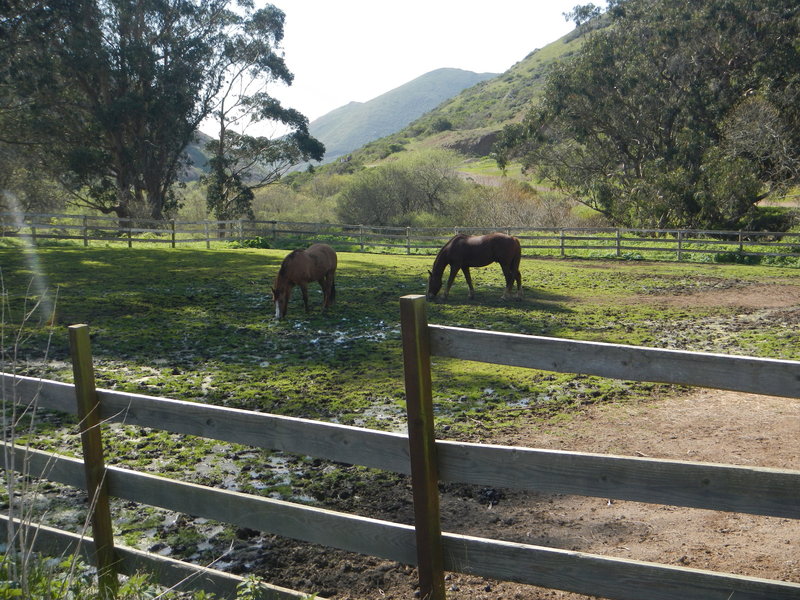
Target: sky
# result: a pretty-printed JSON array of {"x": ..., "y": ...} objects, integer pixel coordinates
[{"x": 355, "y": 50}]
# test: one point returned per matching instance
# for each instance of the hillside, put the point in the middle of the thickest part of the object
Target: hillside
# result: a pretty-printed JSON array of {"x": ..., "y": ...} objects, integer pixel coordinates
[
  {"x": 478, "y": 113},
  {"x": 198, "y": 159},
  {"x": 351, "y": 126}
]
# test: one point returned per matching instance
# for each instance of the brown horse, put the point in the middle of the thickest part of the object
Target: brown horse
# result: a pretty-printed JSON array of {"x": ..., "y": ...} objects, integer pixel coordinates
[
  {"x": 465, "y": 251},
  {"x": 300, "y": 267}
]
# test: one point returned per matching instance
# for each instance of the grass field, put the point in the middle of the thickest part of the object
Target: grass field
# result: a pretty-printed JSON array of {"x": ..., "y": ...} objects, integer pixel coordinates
[{"x": 198, "y": 325}]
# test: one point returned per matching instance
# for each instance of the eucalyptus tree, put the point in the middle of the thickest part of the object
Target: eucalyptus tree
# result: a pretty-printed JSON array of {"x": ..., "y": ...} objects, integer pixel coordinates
[
  {"x": 241, "y": 162},
  {"x": 678, "y": 114},
  {"x": 115, "y": 91}
]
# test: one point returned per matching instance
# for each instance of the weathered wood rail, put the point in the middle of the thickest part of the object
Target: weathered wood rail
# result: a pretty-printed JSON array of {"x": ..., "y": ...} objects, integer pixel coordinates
[
  {"x": 746, "y": 489},
  {"x": 665, "y": 244}
]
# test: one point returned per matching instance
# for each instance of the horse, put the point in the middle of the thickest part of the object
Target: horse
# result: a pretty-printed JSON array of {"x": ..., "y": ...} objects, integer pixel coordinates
[
  {"x": 465, "y": 251},
  {"x": 300, "y": 267}
]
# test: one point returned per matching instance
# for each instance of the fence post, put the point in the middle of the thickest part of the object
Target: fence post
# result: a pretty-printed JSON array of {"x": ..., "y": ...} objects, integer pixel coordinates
[
  {"x": 93, "y": 461},
  {"x": 85, "y": 230},
  {"x": 680, "y": 244},
  {"x": 361, "y": 236},
  {"x": 274, "y": 230},
  {"x": 741, "y": 246},
  {"x": 208, "y": 236},
  {"x": 408, "y": 240},
  {"x": 172, "y": 227},
  {"x": 130, "y": 236},
  {"x": 619, "y": 243},
  {"x": 562, "y": 244},
  {"x": 422, "y": 446}
]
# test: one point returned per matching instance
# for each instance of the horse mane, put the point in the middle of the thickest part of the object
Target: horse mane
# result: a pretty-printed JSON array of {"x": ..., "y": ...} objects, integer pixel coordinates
[
  {"x": 288, "y": 261},
  {"x": 440, "y": 262}
]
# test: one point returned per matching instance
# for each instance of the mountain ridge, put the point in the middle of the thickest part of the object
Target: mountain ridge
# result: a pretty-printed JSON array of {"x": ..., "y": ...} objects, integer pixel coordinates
[{"x": 355, "y": 124}]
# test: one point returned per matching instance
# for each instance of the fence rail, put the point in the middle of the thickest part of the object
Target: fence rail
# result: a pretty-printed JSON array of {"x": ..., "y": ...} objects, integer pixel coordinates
[
  {"x": 745, "y": 489},
  {"x": 665, "y": 244}
]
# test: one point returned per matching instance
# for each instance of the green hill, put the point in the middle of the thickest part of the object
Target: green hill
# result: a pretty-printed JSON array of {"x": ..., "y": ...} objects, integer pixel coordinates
[
  {"x": 469, "y": 122},
  {"x": 351, "y": 126},
  {"x": 450, "y": 108}
]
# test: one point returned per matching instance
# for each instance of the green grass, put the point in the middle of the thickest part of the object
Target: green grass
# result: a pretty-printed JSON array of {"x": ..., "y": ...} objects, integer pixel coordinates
[{"x": 198, "y": 325}]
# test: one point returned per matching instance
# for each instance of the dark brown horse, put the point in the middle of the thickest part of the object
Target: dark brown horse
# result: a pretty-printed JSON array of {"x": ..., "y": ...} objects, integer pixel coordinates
[
  {"x": 300, "y": 267},
  {"x": 465, "y": 251}
]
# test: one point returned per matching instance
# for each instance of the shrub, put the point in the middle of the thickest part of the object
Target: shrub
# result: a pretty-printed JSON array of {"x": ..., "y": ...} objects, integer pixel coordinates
[{"x": 256, "y": 242}]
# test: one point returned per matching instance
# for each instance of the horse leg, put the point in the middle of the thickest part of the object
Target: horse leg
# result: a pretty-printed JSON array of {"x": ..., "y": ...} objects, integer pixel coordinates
[
  {"x": 517, "y": 275},
  {"x": 468, "y": 277},
  {"x": 508, "y": 273},
  {"x": 328, "y": 290},
  {"x": 304, "y": 290},
  {"x": 450, "y": 280}
]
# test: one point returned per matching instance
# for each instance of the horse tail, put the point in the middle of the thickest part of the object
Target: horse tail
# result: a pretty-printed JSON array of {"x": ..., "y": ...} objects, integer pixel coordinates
[
  {"x": 517, "y": 274},
  {"x": 517, "y": 253}
]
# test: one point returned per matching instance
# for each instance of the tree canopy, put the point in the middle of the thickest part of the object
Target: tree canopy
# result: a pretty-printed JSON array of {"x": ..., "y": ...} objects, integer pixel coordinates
[
  {"x": 108, "y": 93},
  {"x": 398, "y": 191},
  {"x": 240, "y": 162},
  {"x": 680, "y": 114}
]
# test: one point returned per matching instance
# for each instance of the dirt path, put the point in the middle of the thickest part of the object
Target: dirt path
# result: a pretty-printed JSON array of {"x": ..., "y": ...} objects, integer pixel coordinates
[{"x": 703, "y": 425}]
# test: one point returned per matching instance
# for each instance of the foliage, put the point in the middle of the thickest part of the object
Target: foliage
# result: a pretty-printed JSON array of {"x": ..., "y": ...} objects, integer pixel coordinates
[
  {"x": 241, "y": 163},
  {"x": 71, "y": 578},
  {"x": 582, "y": 14},
  {"x": 255, "y": 242},
  {"x": 441, "y": 124},
  {"x": 112, "y": 99},
  {"x": 677, "y": 115},
  {"x": 392, "y": 193},
  {"x": 108, "y": 99},
  {"x": 515, "y": 204},
  {"x": 22, "y": 187}
]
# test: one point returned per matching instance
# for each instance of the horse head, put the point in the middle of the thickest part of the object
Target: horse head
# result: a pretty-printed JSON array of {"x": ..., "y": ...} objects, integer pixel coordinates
[
  {"x": 434, "y": 285},
  {"x": 280, "y": 296}
]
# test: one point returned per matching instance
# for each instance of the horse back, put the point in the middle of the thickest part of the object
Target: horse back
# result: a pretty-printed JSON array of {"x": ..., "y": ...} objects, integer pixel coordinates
[
  {"x": 482, "y": 250},
  {"x": 322, "y": 260}
]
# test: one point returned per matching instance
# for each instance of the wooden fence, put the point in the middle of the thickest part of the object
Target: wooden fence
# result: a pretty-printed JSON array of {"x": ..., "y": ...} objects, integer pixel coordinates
[
  {"x": 745, "y": 489},
  {"x": 577, "y": 242}
]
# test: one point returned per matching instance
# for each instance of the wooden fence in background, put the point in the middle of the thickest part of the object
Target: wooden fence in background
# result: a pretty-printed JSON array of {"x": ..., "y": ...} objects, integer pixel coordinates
[
  {"x": 745, "y": 489},
  {"x": 669, "y": 244}
]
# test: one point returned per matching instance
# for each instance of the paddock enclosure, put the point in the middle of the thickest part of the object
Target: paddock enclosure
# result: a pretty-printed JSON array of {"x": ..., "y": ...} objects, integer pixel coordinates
[{"x": 739, "y": 489}]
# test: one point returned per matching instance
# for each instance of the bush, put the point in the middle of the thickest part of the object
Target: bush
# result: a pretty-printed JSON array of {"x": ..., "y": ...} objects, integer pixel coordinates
[
  {"x": 441, "y": 124},
  {"x": 739, "y": 258},
  {"x": 256, "y": 242}
]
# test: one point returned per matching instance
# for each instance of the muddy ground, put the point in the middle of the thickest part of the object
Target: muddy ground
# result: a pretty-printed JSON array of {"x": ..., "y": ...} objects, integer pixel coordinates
[{"x": 699, "y": 425}]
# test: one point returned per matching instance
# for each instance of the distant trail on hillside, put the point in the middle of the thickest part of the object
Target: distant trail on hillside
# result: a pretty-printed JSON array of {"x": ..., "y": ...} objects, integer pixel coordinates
[{"x": 486, "y": 180}]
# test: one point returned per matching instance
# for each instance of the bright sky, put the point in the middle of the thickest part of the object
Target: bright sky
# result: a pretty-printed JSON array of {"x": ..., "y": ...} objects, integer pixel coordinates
[{"x": 346, "y": 50}]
